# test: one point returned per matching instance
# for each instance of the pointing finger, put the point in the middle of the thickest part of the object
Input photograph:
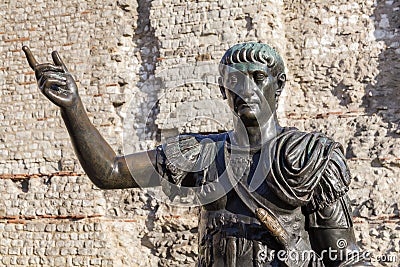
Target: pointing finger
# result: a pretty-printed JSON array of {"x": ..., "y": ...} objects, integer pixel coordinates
[
  {"x": 31, "y": 59},
  {"x": 57, "y": 60}
]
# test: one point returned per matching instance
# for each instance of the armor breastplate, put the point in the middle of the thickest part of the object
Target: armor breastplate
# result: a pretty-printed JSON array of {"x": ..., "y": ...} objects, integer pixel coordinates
[
  {"x": 229, "y": 217},
  {"x": 229, "y": 212}
]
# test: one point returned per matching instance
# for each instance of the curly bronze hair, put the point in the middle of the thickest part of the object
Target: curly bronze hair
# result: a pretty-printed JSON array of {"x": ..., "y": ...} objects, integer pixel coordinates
[{"x": 253, "y": 52}]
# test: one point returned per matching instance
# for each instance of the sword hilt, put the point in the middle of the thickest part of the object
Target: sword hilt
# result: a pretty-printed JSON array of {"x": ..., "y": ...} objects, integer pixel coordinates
[{"x": 274, "y": 227}]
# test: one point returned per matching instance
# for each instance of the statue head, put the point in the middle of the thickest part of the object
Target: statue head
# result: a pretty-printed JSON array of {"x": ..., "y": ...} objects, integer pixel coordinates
[{"x": 252, "y": 77}]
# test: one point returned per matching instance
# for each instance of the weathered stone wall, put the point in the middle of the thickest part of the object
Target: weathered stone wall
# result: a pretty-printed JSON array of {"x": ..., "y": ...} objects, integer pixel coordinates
[{"x": 129, "y": 58}]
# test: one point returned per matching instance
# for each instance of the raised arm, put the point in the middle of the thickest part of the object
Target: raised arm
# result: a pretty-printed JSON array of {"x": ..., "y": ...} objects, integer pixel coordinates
[{"x": 104, "y": 168}]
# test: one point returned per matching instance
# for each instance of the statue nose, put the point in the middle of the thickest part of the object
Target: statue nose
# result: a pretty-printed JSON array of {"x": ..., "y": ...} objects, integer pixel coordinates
[{"x": 247, "y": 89}]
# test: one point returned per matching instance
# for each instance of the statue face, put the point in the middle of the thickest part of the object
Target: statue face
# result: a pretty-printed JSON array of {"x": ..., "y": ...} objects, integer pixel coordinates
[{"x": 250, "y": 90}]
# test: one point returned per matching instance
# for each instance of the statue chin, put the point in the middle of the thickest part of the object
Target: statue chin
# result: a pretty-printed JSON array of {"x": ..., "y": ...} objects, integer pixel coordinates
[
  {"x": 251, "y": 118},
  {"x": 250, "y": 122}
]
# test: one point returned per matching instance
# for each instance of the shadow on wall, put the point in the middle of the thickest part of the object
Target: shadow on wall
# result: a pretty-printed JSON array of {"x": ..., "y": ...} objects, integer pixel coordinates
[
  {"x": 383, "y": 98},
  {"x": 148, "y": 44}
]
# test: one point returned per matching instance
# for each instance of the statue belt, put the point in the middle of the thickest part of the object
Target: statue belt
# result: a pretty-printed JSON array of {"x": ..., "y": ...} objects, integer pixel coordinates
[
  {"x": 240, "y": 227},
  {"x": 231, "y": 223},
  {"x": 225, "y": 217}
]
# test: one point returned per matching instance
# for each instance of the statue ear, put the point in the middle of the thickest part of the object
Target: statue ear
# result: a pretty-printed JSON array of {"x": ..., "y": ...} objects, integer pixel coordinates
[
  {"x": 281, "y": 81},
  {"x": 281, "y": 84},
  {"x": 221, "y": 87}
]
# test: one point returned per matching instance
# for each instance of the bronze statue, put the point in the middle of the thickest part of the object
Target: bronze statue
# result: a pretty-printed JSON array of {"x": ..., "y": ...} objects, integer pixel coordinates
[{"x": 270, "y": 195}]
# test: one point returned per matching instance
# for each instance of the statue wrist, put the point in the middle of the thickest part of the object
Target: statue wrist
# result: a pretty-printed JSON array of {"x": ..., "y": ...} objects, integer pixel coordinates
[{"x": 73, "y": 110}]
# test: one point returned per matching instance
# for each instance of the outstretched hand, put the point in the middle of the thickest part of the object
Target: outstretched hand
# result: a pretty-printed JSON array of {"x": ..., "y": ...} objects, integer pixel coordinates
[{"x": 54, "y": 80}]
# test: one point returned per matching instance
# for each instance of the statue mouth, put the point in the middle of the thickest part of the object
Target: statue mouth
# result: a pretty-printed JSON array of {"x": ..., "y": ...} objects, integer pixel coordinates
[{"x": 247, "y": 104}]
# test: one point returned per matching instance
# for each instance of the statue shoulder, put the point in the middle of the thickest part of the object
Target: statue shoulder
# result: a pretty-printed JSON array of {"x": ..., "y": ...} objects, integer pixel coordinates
[
  {"x": 187, "y": 151},
  {"x": 294, "y": 134},
  {"x": 295, "y": 142},
  {"x": 311, "y": 166},
  {"x": 180, "y": 160}
]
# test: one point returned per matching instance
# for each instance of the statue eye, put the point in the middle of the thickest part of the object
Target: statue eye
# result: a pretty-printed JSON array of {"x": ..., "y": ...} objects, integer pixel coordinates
[{"x": 259, "y": 76}]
